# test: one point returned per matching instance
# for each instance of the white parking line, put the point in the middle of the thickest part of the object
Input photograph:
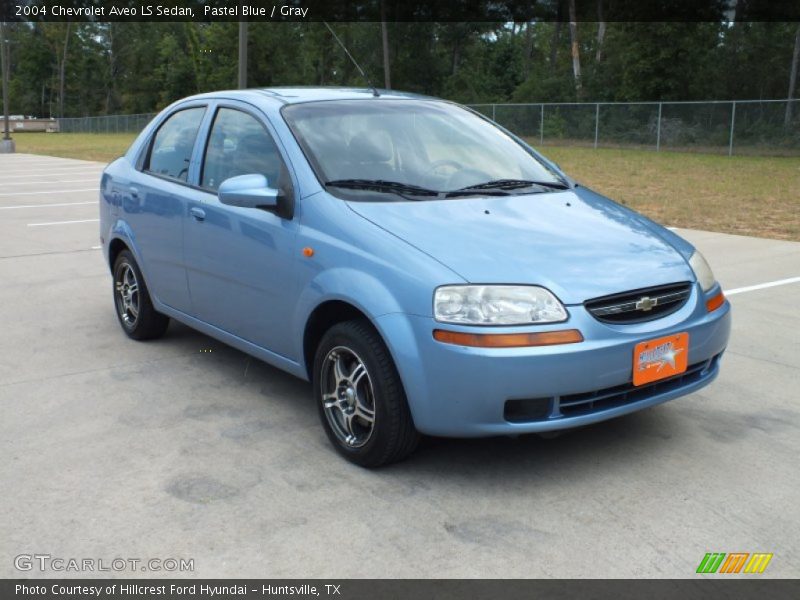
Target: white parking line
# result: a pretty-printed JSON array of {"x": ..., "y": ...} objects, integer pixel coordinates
[
  {"x": 762, "y": 286},
  {"x": 51, "y": 192},
  {"x": 63, "y": 222},
  {"x": 60, "y": 163},
  {"x": 47, "y": 169},
  {"x": 47, "y": 205},
  {"x": 64, "y": 162},
  {"x": 34, "y": 175},
  {"x": 51, "y": 173},
  {"x": 96, "y": 247},
  {"x": 43, "y": 166},
  {"x": 93, "y": 180}
]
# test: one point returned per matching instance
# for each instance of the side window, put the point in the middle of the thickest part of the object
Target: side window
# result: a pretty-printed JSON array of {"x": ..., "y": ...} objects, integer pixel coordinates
[
  {"x": 172, "y": 145},
  {"x": 240, "y": 145}
]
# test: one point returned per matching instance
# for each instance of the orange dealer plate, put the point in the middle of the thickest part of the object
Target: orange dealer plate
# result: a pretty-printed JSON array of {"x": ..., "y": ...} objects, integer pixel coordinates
[{"x": 660, "y": 358}]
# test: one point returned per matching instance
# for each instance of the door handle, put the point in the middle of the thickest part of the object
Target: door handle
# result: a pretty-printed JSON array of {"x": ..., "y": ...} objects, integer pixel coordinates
[
  {"x": 198, "y": 213},
  {"x": 134, "y": 192}
]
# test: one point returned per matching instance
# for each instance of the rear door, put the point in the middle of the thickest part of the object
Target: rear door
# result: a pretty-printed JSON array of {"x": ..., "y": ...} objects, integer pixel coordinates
[
  {"x": 240, "y": 261},
  {"x": 155, "y": 204}
]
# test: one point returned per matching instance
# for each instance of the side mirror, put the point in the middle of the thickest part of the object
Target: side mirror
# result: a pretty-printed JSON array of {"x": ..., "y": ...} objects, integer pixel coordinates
[{"x": 248, "y": 191}]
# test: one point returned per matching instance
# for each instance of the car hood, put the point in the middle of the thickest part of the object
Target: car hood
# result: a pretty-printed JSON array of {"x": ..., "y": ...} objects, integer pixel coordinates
[{"x": 578, "y": 245}]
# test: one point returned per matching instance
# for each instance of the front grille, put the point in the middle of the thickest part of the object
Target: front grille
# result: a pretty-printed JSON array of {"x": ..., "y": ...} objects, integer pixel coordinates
[
  {"x": 638, "y": 306},
  {"x": 586, "y": 403}
]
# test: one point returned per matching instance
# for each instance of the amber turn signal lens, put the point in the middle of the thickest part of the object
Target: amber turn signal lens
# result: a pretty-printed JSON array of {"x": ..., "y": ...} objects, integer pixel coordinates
[
  {"x": 714, "y": 303},
  {"x": 508, "y": 340},
  {"x": 308, "y": 252}
]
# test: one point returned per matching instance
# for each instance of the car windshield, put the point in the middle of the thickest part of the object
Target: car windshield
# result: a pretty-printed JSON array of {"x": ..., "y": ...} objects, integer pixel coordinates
[{"x": 413, "y": 149}]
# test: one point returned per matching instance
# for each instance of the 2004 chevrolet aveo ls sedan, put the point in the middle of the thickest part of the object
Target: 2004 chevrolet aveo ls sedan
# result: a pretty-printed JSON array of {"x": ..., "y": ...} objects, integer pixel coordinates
[{"x": 427, "y": 270}]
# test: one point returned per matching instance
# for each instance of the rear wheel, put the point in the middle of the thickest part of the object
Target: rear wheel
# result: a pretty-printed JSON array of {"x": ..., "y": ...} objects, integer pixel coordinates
[
  {"x": 361, "y": 401},
  {"x": 135, "y": 312}
]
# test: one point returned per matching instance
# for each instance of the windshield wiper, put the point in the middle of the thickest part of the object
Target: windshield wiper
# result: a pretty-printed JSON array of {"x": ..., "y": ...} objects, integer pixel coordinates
[
  {"x": 382, "y": 185},
  {"x": 498, "y": 187},
  {"x": 513, "y": 184}
]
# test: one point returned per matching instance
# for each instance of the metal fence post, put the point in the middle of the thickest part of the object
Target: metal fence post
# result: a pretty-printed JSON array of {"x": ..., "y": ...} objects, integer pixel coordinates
[
  {"x": 541, "y": 125},
  {"x": 493, "y": 111},
  {"x": 733, "y": 121},
  {"x": 658, "y": 129},
  {"x": 596, "y": 123}
]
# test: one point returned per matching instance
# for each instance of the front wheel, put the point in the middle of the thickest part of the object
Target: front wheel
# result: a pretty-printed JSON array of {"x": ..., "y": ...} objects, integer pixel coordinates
[{"x": 361, "y": 401}]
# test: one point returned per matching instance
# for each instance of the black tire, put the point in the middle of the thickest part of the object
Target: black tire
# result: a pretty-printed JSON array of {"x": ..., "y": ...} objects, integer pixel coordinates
[
  {"x": 392, "y": 436},
  {"x": 135, "y": 312}
]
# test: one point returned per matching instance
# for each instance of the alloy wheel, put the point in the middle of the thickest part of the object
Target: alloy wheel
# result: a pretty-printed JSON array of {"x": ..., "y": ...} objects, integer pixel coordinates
[
  {"x": 127, "y": 295},
  {"x": 348, "y": 399}
]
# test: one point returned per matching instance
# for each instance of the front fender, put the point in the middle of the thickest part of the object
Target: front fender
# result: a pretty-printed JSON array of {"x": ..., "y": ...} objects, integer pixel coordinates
[{"x": 365, "y": 292}]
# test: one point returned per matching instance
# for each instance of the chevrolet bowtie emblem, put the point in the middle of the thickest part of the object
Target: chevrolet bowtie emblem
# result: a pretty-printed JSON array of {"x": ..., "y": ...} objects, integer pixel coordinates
[{"x": 646, "y": 303}]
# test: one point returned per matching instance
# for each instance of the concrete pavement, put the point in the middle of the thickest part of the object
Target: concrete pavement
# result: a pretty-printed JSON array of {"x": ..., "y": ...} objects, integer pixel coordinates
[{"x": 185, "y": 448}]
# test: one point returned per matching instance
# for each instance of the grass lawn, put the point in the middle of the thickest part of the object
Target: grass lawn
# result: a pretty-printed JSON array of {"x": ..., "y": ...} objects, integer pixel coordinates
[
  {"x": 103, "y": 147},
  {"x": 746, "y": 195}
]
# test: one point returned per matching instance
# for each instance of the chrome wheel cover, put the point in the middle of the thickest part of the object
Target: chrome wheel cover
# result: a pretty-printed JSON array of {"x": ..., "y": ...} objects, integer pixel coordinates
[
  {"x": 347, "y": 399},
  {"x": 126, "y": 293}
]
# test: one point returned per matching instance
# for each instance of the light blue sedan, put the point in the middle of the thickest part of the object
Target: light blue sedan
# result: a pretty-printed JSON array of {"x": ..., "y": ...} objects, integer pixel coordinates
[{"x": 427, "y": 270}]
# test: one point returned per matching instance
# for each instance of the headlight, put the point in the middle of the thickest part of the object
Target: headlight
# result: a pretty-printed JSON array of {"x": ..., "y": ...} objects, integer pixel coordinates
[
  {"x": 496, "y": 305},
  {"x": 702, "y": 271}
]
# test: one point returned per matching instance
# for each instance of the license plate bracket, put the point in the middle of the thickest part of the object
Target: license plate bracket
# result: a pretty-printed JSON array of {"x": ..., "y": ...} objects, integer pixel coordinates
[{"x": 660, "y": 358}]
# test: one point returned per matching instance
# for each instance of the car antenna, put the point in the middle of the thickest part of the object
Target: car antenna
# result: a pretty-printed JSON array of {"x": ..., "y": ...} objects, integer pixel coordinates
[{"x": 350, "y": 56}]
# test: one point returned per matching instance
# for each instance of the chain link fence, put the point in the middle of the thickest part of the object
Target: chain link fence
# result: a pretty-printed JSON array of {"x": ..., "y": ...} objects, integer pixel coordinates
[
  {"x": 756, "y": 127},
  {"x": 106, "y": 124}
]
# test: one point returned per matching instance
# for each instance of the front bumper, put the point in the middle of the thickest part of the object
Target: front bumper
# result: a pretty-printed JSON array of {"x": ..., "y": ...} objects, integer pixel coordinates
[{"x": 463, "y": 392}]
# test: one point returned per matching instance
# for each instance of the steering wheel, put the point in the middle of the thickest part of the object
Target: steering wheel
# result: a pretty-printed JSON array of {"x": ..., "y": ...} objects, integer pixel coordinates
[
  {"x": 465, "y": 177},
  {"x": 440, "y": 164}
]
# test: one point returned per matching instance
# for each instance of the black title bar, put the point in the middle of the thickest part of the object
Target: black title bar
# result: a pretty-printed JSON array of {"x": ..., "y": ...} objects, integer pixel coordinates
[
  {"x": 706, "y": 587},
  {"x": 399, "y": 10}
]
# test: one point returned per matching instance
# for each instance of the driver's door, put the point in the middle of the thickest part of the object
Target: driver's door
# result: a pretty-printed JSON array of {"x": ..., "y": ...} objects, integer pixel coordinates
[{"x": 239, "y": 261}]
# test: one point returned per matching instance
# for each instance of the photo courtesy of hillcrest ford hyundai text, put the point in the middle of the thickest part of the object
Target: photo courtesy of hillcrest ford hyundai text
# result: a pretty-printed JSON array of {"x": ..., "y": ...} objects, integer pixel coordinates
[{"x": 426, "y": 269}]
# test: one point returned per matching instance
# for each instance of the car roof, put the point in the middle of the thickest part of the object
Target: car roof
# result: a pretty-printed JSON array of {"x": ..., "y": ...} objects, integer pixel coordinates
[{"x": 296, "y": 95}]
